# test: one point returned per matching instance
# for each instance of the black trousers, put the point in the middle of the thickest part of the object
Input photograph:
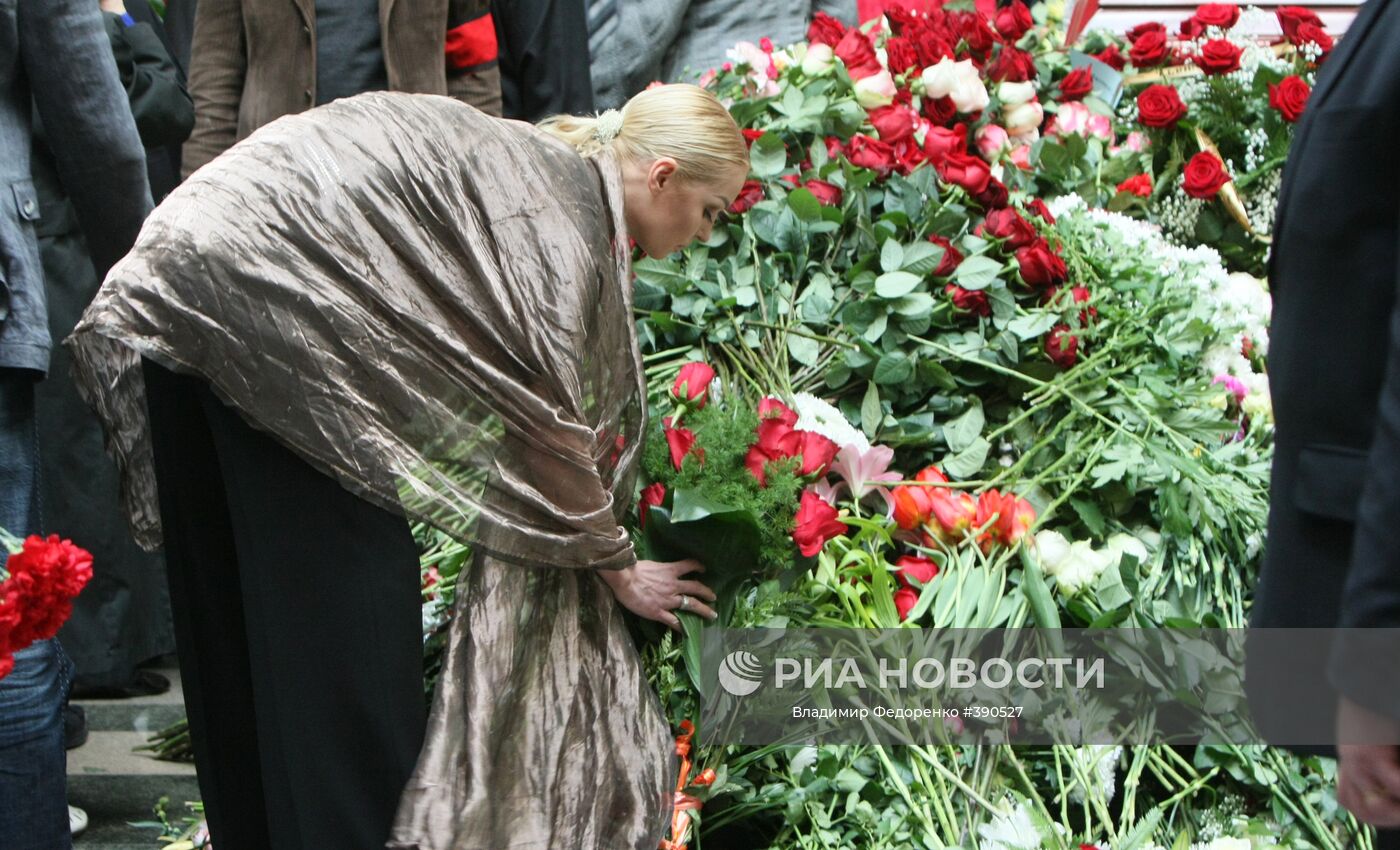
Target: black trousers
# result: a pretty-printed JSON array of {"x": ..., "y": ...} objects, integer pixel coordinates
[{"x": 298, "y": 626}]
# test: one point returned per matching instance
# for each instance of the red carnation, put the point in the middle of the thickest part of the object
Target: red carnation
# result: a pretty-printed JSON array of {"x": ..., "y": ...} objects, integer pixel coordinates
[
  {"x": 1218, "y": 56},
  {"x": 1138, "y": 184},
  {"x": 939, "y": 110},
  {"x": 1160, "y": 106},
  {"x": 901, "y": 54},
  {"x": 751, "y": 135},
  {"x": 976, "y": 33},
  {"x": 817, "y": 522},
  {"x": 1204, "y": 176},
  {"x": 1077, "y": 84},
  {"x": 933, "y": 46}
]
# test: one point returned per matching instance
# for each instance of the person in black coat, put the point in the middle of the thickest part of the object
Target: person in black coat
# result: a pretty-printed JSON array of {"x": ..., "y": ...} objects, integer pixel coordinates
[
  {"x": 1333, "y": 557},
  {"x": 123, "y": 617}
]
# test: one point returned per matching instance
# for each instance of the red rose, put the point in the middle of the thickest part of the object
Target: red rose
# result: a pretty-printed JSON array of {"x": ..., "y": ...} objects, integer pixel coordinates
[
  {"x": 1036, "y": 206},
  {"x": 976, "y": 33},
  {"x": 901, "y": 54},
  {"x": 652, "y": 494},
  {"x": 915, "y": 567},
  {"x": 825, "y": 29},
  {"x": 951, "y": 256},
  {"x": 1077, "y": 84},
  {"x": 902, "y": 20},
  {"x": 1062, "y": 346},
  {"x": 1040, "y": 265},
  {"x": 1160, "y": 106},
  {"x": 872, "y": 154},
  {"x": 893, "y": 122},
  {"x": 1013, "y": 66},
  {"x": 1112, "y": 57},
  {"x": 817, "y": 452},
  {"x": 1014, "y": 21},
  {"x": 1292, "y": 17},
  {"x": 1007, "y": 224},
  {"x": 693, "y": 384},
  {"x": 1204, "y": 176},
  {"x": 750, "y": 194},
  {"x": 1139, "y": 184},
  {"x": 681, "y": 441},
  {"x": 1310, "y": 32},
  {"x": 969, "y": 300},
  {"x": 995, "y": 196},
  {"x": 1149, "y": 28},
  {"x": 834, "y": 147},
  {"x": 933, "y": 46},
  {"x": 1223, "y": 15},
  {"x": 970, "y": 172},
  {"x": 826, "y": 193},
  {"x": 1218, "y": 56},
  {"x": 939, "y": 110},
  {"x": 1289, "y": 96},
  {"x": 817, "y": 522},
  {"x": 1192, "y": 28},
  {"x": 855, "y": 51},
  {"x": 908, "y": 155},
  {"x": 940, "y": 142},
  {"x": 904, "y": 602},
  {"x": 1149, "y": 50}
]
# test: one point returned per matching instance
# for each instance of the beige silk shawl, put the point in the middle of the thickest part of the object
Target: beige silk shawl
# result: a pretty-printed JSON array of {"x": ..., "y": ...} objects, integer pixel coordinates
[{"x": 433, "y": 306}]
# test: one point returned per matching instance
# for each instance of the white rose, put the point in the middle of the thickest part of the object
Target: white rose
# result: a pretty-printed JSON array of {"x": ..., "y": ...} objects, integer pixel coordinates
[
  {"x": 970, "y": 94},
  {"x": 1080, "y": 568},
  {"x": 1125, "y": 544},
  {"x": 875, "y": 90},
  {"x": 940, "y": 78},
  {"x": 820, "y": 59},
  {"x": 1052, "y": 548},
  {"x": 1012, "y": 94},
  {"x": 958, "y": 80},
  {"x": 1023, "y": 117}
]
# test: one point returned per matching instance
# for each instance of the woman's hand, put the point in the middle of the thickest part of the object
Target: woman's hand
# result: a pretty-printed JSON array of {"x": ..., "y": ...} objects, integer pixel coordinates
[{"x": 654, "y": 589}]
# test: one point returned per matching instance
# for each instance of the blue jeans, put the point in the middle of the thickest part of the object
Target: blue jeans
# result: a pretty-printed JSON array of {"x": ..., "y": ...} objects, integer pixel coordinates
[{"x": 33, "y": 765}]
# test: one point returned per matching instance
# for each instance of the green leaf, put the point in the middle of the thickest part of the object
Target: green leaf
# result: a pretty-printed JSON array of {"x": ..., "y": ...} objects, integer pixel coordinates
[
  {"x": 968, "y": 462},
  {"x": 768, "y": 156},
  {"x": 915, "y": 304},
  {"x": 803, "y": 349},
  {"x": 896, "y": 284},
  {"x": 876, "y": 329},
  {"x": 1032, "y": 325},
  {"x": 961, "y": 432},
  {"x": 1043, "y": 609},
  {"x": 891, "y": 255},
  {"x": 977, "y": 272},
  {"x": 922, "y": 258},
  {"x": 893, "y": 368},
  {"x": 870, "y": 411},
  {"x": 1089, "y": 514},
  {"x": 804, "y": 204},
  {"x": 663, "y": 273}
]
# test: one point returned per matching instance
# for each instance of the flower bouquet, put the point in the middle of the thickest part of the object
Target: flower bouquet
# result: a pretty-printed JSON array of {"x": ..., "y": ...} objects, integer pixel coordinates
[{"x": 37, "y": 585}]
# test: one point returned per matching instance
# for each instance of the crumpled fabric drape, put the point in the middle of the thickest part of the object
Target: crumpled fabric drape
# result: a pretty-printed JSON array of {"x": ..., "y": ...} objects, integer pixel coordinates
[{"x": 433, "y": 306}]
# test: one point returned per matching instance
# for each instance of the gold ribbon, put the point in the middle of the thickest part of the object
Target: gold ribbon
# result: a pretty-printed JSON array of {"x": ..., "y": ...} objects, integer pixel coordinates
[{"x": 1229, "y": 195}]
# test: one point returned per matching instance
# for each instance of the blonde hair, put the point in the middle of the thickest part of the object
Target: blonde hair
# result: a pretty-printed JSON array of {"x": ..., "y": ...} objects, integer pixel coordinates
[{"x": 679, "y": 121}]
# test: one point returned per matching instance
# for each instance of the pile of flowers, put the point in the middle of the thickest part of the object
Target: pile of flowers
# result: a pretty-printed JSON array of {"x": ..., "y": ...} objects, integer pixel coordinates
[{"x": 40, "y": 578}]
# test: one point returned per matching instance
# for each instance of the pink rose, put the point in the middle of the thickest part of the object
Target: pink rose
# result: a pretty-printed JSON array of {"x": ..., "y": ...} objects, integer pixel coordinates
[{"x": 991, "y": 141}]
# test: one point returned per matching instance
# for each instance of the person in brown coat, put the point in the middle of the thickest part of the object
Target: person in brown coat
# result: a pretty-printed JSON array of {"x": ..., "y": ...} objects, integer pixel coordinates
[{"x": 256, "y": 60}]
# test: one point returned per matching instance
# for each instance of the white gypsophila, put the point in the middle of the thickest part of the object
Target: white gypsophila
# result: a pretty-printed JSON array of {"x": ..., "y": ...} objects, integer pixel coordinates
[
  {"x": 1225, "y": 843},
  {"x": 814, "y": 414},
  {"x": 1262, "y": 203},
  {"x": 1011, "y": 830}
]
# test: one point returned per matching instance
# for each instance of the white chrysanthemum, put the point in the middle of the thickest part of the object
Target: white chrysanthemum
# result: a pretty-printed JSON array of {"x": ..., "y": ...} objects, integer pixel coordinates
[
  {"x": 1100, "y": 761},
  {"x": 814, "y": 414},
  {"x": 1011, "y": 831}
]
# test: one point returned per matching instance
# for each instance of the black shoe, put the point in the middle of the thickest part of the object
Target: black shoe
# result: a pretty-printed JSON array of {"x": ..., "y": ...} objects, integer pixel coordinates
[
  {"x": 75, "y": 728},
  {"x": 144, "y": 683}
]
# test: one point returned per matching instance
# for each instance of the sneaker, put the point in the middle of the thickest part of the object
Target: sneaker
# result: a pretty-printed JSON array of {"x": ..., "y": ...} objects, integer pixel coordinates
[{"x": 77, "y": 820}]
